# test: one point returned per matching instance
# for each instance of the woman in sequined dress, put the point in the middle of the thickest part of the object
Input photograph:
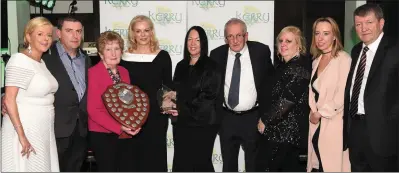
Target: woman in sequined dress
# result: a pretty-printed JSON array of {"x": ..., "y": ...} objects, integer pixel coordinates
[
  {"x": 282, "y": 125},
  {"x": 326, "y": 99}
]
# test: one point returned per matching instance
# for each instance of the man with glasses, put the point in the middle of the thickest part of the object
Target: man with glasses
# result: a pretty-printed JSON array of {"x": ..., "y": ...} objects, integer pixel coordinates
[{"x": 247, "y": 69}]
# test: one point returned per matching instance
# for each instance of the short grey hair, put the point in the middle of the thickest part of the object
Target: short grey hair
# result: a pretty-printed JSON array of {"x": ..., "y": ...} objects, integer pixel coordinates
[{"x": 235, "y": 21}]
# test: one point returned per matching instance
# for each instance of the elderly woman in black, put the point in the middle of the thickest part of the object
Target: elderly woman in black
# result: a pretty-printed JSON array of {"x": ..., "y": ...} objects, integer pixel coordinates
[{"x": 197, "y": 84}]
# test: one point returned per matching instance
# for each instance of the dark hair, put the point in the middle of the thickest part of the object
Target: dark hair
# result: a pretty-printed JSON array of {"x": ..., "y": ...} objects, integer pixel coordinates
[
  {"x": 203, "y": 42},
  {"x": 366, "y": 9},
  {"x": 61, "y": 21}
]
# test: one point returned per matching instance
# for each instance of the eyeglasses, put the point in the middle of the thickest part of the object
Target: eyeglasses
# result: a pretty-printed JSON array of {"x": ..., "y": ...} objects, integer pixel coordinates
[{"x": 238, "y": 37}]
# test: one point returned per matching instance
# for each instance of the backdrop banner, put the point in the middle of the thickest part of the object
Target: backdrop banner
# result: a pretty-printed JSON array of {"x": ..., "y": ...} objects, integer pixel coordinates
[{"x": 172, "y": 19}]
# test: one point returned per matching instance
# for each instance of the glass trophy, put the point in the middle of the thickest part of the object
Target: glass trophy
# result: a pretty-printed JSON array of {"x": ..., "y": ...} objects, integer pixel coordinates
[{"x": 166, "y": 98}]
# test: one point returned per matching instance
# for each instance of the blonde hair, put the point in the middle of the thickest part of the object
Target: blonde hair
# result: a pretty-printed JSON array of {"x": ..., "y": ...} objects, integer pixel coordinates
[
  {"x": 132, "y": 40},
  {"x": 109, "y": 36},
  {"x": 299, "y": 39},
  {"x": 337, "y": 44},
  {"x": 32, "y": 25}
]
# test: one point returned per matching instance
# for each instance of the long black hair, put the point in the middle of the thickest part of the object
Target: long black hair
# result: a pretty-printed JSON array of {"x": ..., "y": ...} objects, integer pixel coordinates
[{"x": 203, "y": 42}]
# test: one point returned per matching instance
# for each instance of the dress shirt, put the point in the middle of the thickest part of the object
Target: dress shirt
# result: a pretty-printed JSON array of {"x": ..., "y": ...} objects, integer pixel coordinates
[
  {"x": 248, "y": 94},
  {"x": 369, "y": 60}
]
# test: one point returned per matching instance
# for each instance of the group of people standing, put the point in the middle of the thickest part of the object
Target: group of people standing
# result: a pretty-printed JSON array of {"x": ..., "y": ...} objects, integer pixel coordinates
[{"x": 343, "y": 108}]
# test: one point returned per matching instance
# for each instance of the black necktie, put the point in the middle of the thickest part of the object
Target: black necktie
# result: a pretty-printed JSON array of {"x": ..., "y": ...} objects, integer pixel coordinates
[
  {"x": 358, "y": 83},
  {"x": 234, "y": 91}
]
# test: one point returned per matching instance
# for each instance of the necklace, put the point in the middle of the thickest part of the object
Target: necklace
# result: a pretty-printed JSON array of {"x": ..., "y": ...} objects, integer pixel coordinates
[
  {"x": 115, "y": 77},
  {"x": 326, "y": 52}
]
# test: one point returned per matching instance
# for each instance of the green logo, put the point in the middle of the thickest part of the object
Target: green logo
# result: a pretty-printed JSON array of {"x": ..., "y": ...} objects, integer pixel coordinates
[
  {"x": 172, "y": 49},
  {"x": 252, "y": 15},
  {"x": 208, "y": 4},
  {"x": 164, "y": 15},
  {"x": 169, "y": 141},
  {"x": 121, "y": 28},
  {"x": 212, "y": 32},
  {"x": 122, "y": 3}
]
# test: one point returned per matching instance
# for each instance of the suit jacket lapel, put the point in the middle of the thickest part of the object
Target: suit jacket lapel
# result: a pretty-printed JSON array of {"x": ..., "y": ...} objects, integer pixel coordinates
[
  {"x": 378, "y": 57},
  {"x": 58, "y": 62},
  {"x": 252, "y": 56},
  {"x": 355, "y": 56},
  {"x": 224, "y": 63}
]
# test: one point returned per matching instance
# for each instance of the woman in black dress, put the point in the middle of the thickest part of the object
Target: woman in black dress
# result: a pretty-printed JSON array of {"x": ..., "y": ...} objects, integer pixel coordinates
[
  {"x": 149, "y": 68},
  {"x": 197, "y": 84},
  {"x": 284, "y": 125}
]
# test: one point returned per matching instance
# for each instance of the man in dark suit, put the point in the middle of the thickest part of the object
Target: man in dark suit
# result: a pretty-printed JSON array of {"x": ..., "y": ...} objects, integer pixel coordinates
[
  {"x": 68, "y": 64},
  {"x": 371, "y": 111},
  {"x": 246, "y": 67}
]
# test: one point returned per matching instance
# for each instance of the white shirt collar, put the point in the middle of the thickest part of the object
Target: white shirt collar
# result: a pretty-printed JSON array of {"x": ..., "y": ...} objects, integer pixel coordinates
[{"x": 374, "y": 46}]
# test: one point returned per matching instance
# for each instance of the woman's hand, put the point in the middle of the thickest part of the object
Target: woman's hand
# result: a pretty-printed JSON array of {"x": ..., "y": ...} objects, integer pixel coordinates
[
  {"x": 129, "y": 131},
  {"x": 314, "y": 117},
  {"x": 171, "y": 112},
  {"x": 261, "y": 126},
  {"x": 27, "y": 148}
]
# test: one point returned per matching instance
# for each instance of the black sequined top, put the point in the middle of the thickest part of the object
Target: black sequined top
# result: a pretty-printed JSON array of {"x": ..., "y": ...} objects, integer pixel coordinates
[{"x": 286, "y": 120}]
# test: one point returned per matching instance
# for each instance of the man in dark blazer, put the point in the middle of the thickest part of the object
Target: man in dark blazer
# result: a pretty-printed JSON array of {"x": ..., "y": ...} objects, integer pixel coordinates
[
  {"x": 68, "y": 64},
  {"x": 246, "y": 71},
  {"x": 371, "y": 110}
]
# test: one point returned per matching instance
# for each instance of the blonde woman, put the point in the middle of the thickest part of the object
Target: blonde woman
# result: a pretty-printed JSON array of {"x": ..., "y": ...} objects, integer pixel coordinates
[
  {"x": 28, "y": 140},
  {"x": 282, "y": 125},
  {"x": 326, "y": 99},
  {"x": 149, "y": 67}
]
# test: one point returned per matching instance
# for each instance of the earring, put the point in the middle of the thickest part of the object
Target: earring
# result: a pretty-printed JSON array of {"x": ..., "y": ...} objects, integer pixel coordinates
[{"x": 29, "y": 49}]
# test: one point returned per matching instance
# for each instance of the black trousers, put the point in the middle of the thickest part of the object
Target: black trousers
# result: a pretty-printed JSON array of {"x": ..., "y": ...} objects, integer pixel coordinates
[
  {"x": 193, "y": 147},
  {"x": 72, "y": 151},
  {"x": 315, "y": 142},
  {"x": 108, "y": 152},
  {"x": 237, "y": 130},
  {"x": 361, "y": 155},
  {"x": 278, "y": 157}
]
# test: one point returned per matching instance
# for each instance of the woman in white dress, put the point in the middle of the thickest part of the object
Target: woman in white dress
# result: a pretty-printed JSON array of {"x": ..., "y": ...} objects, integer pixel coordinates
[{"x": 28, "y": 141}]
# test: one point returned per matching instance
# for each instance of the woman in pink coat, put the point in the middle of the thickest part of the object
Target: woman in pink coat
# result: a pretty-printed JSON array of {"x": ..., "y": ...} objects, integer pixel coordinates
[
  {"x": 105, "y": 130},
  {"x": 326, "y": 99}
]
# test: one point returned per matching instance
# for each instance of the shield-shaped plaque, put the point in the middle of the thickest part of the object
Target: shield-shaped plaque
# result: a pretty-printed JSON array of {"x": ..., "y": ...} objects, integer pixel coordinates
[{"x": 128, "y": 104}]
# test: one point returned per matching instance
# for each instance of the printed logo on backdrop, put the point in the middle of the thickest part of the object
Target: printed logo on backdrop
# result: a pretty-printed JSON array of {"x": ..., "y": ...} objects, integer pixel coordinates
[
  {"x": 164, "y": 15},
  {"x": 121, "y": 28},
  {"x": 216, "y": 157},
  {"x": 122, "y": 3},
  {"x": 169, "y": 167},
  {"x": 209, "y": 4},
  {"x": 252, "y": 15},
  {"x": 169, "y": 140},
  {"x": 170, "y": 47},
  {"x": 212, "y": 32}
]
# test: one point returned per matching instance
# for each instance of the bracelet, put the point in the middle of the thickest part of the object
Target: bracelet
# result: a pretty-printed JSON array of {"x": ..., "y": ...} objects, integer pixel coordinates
[{"x": 17, "y": 126}]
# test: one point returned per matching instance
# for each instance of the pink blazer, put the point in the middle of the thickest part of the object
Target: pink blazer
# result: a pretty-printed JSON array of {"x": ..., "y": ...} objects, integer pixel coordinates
[
  {"x": 331, "y": 87},
  {"x": 99, "y": 118}
]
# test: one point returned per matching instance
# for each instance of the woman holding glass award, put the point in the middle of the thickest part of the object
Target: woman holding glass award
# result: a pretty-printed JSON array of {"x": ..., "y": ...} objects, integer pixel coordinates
[
  {"x": 149, "y": 68},
  {"x": 197, "y": 84},
  {"x": 105, "y": 130}
]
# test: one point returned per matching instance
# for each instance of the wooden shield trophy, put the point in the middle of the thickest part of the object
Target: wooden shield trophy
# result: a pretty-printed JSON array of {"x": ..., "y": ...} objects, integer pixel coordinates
[{"x": 127, "y": 104}]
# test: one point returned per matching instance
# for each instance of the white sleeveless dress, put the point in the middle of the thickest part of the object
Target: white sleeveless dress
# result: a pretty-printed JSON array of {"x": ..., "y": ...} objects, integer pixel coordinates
[{"x": 35, "y": 100}]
